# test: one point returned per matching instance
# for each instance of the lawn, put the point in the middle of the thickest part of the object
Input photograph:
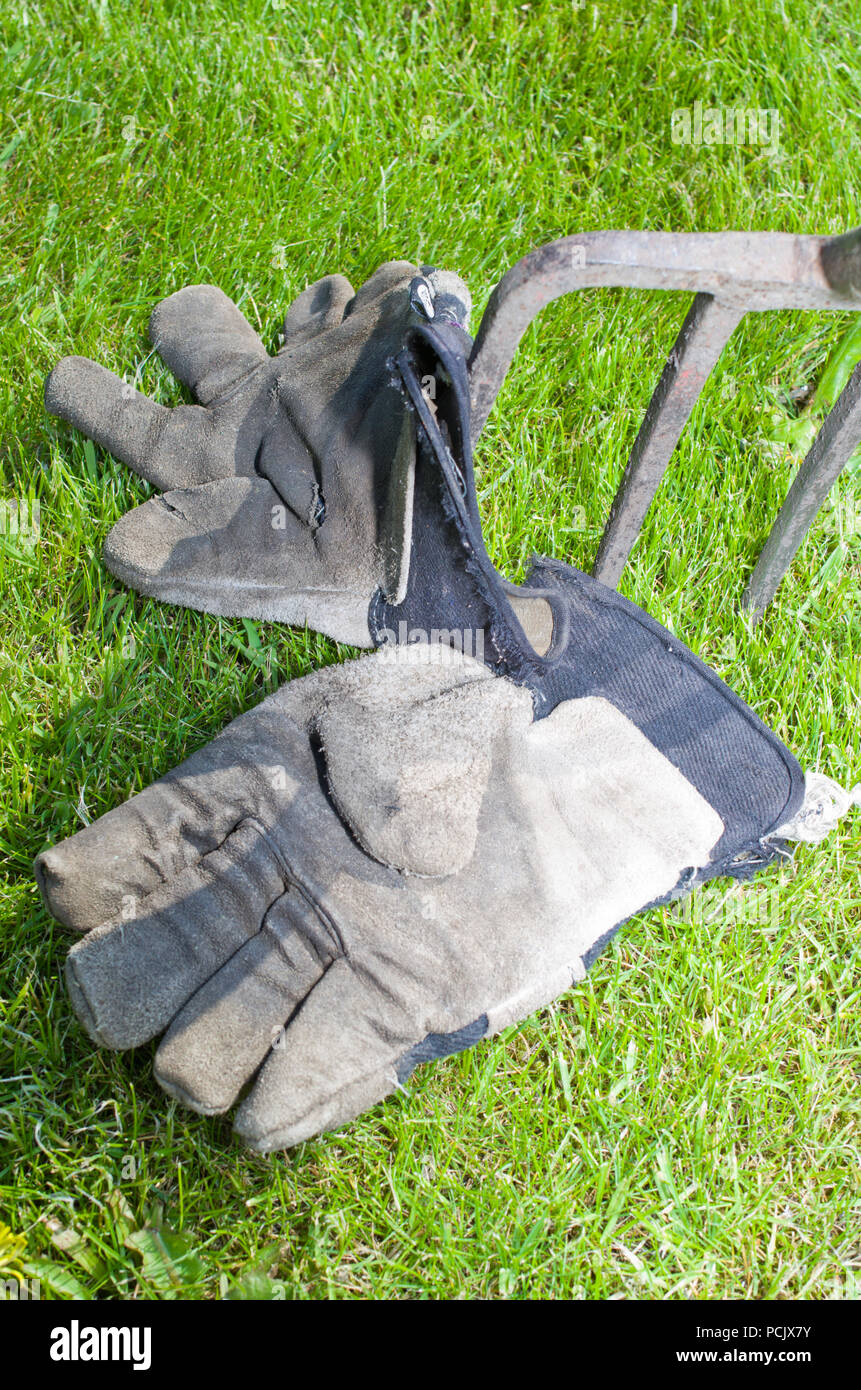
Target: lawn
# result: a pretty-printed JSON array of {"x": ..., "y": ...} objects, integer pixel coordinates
[{"x": 685, "y": 1124}]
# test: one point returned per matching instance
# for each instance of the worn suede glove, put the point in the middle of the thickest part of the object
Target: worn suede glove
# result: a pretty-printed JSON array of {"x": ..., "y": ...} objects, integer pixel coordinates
[
  {"x": 382, "y": 863},
  {"x": 289, "y": 483}
]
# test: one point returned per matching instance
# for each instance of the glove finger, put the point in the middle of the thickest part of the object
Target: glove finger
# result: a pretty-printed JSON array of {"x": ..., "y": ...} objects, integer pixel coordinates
[
  {"x": 165, "y": 446},
  {"x": 317, "y": 308},
  {"x": 205, "y": 340},
  {"x": 385, "y": 278},
  {"x": 226, "y": 1029},
  {"x": 128, "y": 979},
  {"x": 338, "y": 1057},
  {"x": 112, "y": 865}
]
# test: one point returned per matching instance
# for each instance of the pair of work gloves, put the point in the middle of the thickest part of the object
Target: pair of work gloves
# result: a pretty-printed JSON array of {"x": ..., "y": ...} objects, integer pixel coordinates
[{"x": 387, "y": 860}]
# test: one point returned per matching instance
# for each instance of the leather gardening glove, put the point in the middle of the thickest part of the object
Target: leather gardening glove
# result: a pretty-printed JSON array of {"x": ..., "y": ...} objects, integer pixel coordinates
[
  {"x": 381, "y": 864},
  {"x": 289, "y": 483}
]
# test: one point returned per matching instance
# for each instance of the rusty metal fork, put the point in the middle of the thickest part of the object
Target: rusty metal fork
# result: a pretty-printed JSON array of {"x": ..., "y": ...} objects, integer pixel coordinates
[{"x": 730, "y": 273}]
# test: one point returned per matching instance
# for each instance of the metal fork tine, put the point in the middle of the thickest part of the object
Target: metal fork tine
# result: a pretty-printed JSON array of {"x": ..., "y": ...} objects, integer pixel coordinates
[
  {"x": 703, "y": 335},
  {"x": 829, "y": 453}
]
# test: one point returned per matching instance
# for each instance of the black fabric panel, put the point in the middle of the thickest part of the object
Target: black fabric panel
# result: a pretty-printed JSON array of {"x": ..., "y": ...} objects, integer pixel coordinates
[{"x": 437, "y": 1045}]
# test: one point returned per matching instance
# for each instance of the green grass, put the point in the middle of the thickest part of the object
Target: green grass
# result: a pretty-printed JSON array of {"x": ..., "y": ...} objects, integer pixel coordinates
[{"x": 685, "y": 1123}]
